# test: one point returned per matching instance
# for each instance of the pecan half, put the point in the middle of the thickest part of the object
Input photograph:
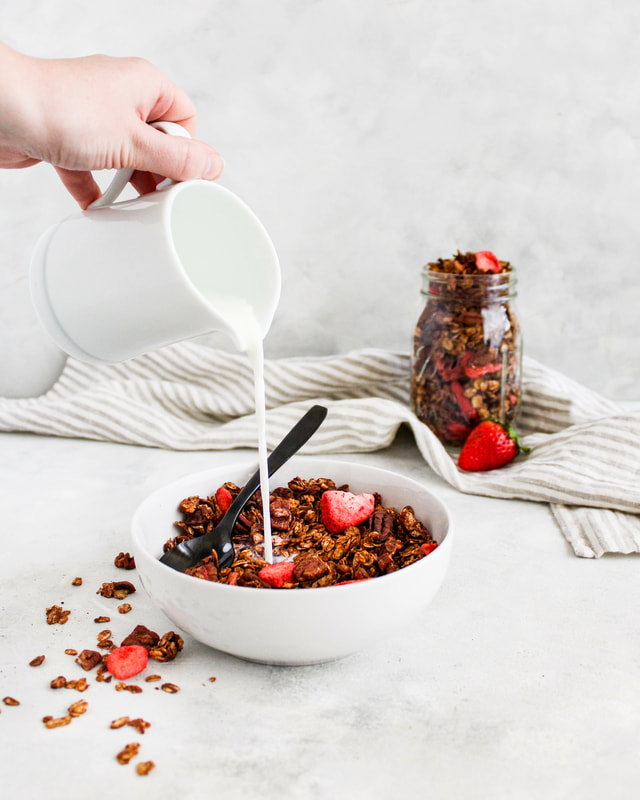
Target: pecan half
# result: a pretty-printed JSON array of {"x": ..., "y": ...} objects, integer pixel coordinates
[
  {"x": 88, "y": 659},
  {"x": 141, "y": 636},
  {"x": 117, "y": 589}
]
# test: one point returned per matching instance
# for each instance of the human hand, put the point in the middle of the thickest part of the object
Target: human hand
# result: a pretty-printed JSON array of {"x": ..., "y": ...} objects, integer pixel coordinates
[{"x": 91, "y": 113}]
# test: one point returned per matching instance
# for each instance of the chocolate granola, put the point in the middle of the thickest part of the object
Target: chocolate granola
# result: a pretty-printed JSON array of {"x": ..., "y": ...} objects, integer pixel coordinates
[
  {"x": 467, "y": 348},
  {"x": 387, "y": 541}
]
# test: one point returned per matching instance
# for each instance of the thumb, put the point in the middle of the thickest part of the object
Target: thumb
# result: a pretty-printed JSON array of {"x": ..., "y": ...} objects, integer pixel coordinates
[{"x": 175, "y": 157}]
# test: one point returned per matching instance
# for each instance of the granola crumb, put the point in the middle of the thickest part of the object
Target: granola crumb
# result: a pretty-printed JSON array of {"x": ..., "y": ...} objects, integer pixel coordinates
[
  {"x": 117, "y": 589},
  {"x": 56, "y": 722},
  {"x": 121, "y": 686},
  {"x": 76, "y": 582},
  {"x": 105, "y": 642},
  {"x": 102, "y": 676},
  {"x": 10, "y": 701},
  {"x": 80, "y": 685},
  {"x": 125, "y": 561},
  {"x": 125, "y": 608},
  {"x": 139, "y": 724},
  {"x": 120, "y": 722},
  {"x": 168, "y": 647},
  {"x": 102, "y": 620},
  {"x": 78, "y": 708},
  {"x": 144, "y": 767},
  {"x": 153, "y": 678},
  {"x": 57, "y": 615},
  {"x": 171, "y": 688},
  {"x": 128, "y": 752},
  {"x": 35, "y": 662},
  {"x": 212, "y": 680},
  {"x": 71, "y": 652}
]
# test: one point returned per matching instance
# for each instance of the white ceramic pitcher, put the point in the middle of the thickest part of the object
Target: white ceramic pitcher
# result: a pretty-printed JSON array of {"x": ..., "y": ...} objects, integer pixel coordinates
[{"x": 119, "y": 280}]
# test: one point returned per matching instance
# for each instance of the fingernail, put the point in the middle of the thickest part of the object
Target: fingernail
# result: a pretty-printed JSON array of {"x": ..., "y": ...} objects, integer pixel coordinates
[{"x": 215, "y": 166}]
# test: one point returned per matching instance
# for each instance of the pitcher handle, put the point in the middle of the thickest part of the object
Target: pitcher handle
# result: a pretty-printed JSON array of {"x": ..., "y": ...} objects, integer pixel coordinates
[{"x": 123, "y": 176}]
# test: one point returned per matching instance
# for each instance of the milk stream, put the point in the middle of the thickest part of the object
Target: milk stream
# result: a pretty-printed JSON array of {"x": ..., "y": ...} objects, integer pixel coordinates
[{"x": 241, "y": 318}]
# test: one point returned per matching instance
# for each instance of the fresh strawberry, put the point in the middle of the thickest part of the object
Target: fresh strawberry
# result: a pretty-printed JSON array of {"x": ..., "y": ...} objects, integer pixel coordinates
[
  {"x": 489, "y": 445},
  {"x": 428, "y": 547},
  {"x": 126, "y": 661},
  {"x": 276, "y": 575},
  {"x": 487, "y": 262},
  {"x": 342, "y": 509},
  {"x": 224, "y": 498}
]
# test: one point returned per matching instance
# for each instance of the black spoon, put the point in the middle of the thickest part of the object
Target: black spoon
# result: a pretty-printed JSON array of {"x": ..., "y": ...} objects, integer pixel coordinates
[{"x": 189, "y": 553}]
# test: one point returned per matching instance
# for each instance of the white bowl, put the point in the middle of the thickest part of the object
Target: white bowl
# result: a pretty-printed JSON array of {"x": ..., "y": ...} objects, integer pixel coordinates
[{"x": 291, "y": 626}]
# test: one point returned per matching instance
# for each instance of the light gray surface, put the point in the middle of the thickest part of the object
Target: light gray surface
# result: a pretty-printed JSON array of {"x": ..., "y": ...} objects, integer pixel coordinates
[
  {"x": 373, "y": 136},
  {"x": 520, "y": 681}
]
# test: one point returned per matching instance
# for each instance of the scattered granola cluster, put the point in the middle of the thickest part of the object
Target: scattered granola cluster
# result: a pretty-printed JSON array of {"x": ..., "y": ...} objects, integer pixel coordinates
[
  {"x": 325, "y": 534},
  {"x": 157, "y": 648},
  {"x": 467, "y": 346},
  {"x": 56, "y": 615}
]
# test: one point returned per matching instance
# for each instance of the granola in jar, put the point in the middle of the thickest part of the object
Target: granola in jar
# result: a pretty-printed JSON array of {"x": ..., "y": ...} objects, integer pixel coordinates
[{"x": 467, "y": 349}]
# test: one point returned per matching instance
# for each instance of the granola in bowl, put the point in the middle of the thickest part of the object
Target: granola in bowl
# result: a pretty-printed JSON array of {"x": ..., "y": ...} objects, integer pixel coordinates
[{"x": 315, "y": 542}]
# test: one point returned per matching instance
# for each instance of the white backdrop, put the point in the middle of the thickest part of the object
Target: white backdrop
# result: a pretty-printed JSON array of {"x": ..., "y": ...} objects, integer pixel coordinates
[{"x": 371, "y": 136}]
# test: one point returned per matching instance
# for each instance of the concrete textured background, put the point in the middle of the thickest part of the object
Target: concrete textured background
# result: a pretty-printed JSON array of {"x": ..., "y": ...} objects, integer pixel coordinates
[{"x": 371, "y": 136}]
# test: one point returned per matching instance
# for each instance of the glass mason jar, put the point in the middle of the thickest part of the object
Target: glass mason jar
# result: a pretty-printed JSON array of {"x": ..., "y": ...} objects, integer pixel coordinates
[{"x": 467, "y": 353}]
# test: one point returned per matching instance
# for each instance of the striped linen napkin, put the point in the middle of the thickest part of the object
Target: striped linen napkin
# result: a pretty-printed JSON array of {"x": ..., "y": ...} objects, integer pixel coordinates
[{"x": 585, "y": 458}]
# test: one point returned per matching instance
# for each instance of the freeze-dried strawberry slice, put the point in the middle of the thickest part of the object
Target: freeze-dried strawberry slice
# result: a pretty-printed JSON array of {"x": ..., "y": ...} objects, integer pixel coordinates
[
  {"x": 487, "y": 262},
  {"x": 485, "y": 369},
  {"x": 428, "y": 547},
  {"x": 224, "y": 498},
  {"x": 342, "y": 509},
  {"x": 126, "y": 661},
  {"x": 276, "y": 575},
  {"x": 458, "y": 430},
  {"x": 465, "y": 404}
]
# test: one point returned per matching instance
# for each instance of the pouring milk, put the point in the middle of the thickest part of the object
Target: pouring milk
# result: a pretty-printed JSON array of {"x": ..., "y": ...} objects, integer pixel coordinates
[{"x": 242, "y": 319}]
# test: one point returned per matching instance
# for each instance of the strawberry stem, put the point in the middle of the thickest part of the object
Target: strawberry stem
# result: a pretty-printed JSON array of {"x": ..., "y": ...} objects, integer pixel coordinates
[{"x": 510, "y": 430}]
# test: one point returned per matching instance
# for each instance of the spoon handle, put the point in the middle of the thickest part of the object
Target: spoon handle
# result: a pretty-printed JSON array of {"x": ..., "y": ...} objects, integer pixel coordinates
[
  {"x": 301, "y": 432},
  {"x": 188, "y": 553}
]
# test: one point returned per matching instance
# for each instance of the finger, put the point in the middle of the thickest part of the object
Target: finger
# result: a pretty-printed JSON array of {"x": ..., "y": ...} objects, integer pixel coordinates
[
  {"x": 174, "y": 156},
  {"x": 144, "y": 182},
  {"x": 80, "y": 185},
  {"x": 173, "y": 105}
]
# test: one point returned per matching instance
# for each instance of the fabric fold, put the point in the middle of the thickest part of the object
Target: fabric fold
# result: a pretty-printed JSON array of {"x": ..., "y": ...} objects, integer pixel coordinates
[{"x": 585, "y": 458}]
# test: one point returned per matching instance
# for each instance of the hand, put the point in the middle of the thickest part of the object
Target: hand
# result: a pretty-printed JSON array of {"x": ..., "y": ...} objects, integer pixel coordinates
[{"x": 91, "y": 113}]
